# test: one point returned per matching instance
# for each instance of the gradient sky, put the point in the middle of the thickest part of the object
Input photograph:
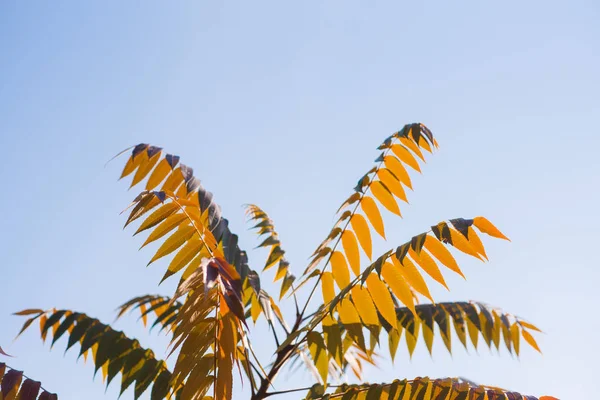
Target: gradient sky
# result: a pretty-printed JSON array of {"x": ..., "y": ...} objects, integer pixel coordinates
[{"x": 283, "y": 104}]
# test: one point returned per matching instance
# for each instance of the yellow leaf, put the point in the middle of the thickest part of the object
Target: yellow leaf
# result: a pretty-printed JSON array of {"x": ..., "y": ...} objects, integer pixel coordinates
[
  {"x": 428, "y": 265},
  {"x": 428, "y": 337},
  {"x": 340, "y": 269},
  {"x": 144, "y": 315},
  {"x": 424, "y": 144},
  {"x": 364, "y": 305},
  {"x": 475, "y": 242},
  {"x": 412, "y": 146},
  {"x": 193, "y": 266},
  {"x": 392, "y": 183},
  {"x": 496, "y": 330},
  {"x": 173, "y": 181},
  {"x": 473, "y": 332},
  {"x": 529, "y": 339},
  {"x": 104, "y": 371},
  {"x": 370, "y": 208},
  {"x": 385, "y": 197},
  {"x": 404, "y": 155},
  {"x": 413, "y": 276},
  {"x": 440, "y": 252},
  {"x": 157, "y": 216},
  {"x": 131, "y": 164},
  {"x": 173, "y": 242},
  {"x": 400, "y": 288},
  {"x": 382, "y": 299},
  {"x": 359, "y": 224},
  {"x": 185, "y": 255},
  {"x": 318, "y": 351},
  {"x": 255, "y": 309},
  {"x": 460, "y": 243},
  {"x": 411, "y": 341},
  {"x": 347, "y": 312},
  {"x": 145, "y": 166},
  {"x": 281, "y": 272},
  {"x": 224, "y": 380},
  {"x": 170, "y": 223},
  {"x": 514, "y": 334},
  {"x": 160, "y": 172},
  {"x": 529, "y": 326},
  {"x": 396, "y": 167},
  {"x": 486, "y": 226},
  {"x": 351, "y": 250},
  {"x": 327, "y": 287}
]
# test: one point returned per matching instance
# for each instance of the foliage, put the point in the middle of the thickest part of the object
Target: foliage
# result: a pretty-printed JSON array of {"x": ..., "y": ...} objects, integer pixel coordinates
[
  {"x": 367, "y": 299},
  {"x": 12, "y": 385}
]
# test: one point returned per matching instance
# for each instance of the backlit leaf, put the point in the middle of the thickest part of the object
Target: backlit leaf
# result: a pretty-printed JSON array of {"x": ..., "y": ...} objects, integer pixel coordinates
[
  {"x": 372, "y": 212},
  {"x": 351, "y": 250},
  {"x": 385, "y": 197},
  {"x": 486, "y": 226},
  {"x": 363, "y": 233},
  {"x": 382, "y": 299}
]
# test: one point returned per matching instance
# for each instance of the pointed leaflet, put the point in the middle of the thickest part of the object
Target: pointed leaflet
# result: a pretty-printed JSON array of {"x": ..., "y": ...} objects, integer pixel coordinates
[
  {"x": 428, "y": 265},
  {"x": 318, "y": 351},
  {"x": 351, "y": 250},
  {"x": 440, "y": 252},
  {"x": 111, "y": 350},
  {"x": 327, "y": 287},
  {"x": 412, "y": 276},
  {"x": 475, "y": 241},
  {"x": 364, "y": 305},
  {"x": 422, "y": 389},
  {"x": 392, "y": 183},
  {"x": 339, "y": 268},
  {"x": 166, "y": 226},
  {"x": 405, "y": 155},
  {"x": 372, "y": 212},
  {"x": 174, "y": 242},
  {"x": 363, "y": 233},
  {"x": 399, "y": 287},
  {"x": 486, "y": 226},
  {"x": 412, "y": 146},
  {"x": 382, "y": 299},
  {"x": 396, "y": 168},
  {"x": 385, "y": 197},
  {"x": 529, "y": 339}
]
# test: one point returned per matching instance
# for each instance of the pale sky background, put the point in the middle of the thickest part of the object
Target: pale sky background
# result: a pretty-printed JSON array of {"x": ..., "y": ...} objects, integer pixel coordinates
[{"x": 283, "y": 104}]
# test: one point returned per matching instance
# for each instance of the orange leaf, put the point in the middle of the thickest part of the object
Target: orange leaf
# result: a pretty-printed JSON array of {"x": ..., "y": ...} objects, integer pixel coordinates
[
  {"x": 396, "y": 282},
  {"x": 440, "y": 252},
  {"x": 413, "y": 146},
  {"x": 359, "y": 224},
  {"x": 382, "y": 299},
  {"x": 370, "y": 208},
  {"x": 396, "y": 167},
  {"x": 460, "y": 242},
  {"x": 364, "y": 305},
  {"x": 475, "y": 241},
  {"x": 339, "y": 268},
  {"x": 403, "y": 154},
  {"x": 486, "y": 226},
  {"x": 428, "y": 265},
  {"x": 385, "y": 197},
  {"x": 351, "y": 250},
  {"x": 348, "y": 314},
  {"x": 412, "y": 276},
  {"x": 529, "y": 339},
  {"x": 392, "y": 183},
  {"x": 327, "y": 287}
]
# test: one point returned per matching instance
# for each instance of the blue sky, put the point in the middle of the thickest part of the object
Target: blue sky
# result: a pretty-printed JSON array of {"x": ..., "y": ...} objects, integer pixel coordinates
[{"x": 283, "y": 104}]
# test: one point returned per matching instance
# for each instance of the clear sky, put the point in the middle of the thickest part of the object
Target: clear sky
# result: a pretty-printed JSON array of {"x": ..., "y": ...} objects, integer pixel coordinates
[{"x": 283, "y": 104}]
